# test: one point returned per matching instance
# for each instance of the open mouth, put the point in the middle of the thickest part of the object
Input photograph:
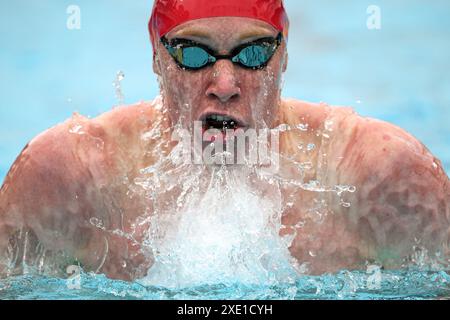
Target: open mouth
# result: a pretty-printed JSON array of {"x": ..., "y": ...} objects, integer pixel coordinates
[
  {"x": 225, "y": 124},
  {"x": 215, "y": 121}
]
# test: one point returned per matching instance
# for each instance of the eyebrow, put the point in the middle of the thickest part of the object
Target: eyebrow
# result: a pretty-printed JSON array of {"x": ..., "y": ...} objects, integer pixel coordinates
[
  {"x": 192, "y": 32},
  {"x": 197, "y": 33},
  {"x": 255, "y": 34}
]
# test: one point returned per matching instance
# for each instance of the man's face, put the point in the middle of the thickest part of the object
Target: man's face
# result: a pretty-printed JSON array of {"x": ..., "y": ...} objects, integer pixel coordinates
[{"x": 249, "y": 97}]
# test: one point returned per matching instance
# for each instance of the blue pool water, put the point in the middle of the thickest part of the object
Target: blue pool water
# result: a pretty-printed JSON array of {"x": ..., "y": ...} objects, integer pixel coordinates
[
  {"x": 399, "y": 73},
  {"x": 405, "y": 284}
]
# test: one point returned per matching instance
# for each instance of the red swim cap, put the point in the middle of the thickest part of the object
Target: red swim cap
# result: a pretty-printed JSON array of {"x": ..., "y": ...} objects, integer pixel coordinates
[{"x": 167, "y": 14}]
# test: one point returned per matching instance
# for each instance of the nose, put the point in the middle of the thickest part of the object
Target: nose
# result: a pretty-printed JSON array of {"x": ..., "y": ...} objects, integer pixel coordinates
[{"x": 224, "y": 85}]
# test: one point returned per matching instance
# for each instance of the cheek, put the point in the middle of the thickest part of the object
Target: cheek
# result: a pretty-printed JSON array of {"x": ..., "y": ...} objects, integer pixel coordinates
[
  {"x": 269, "y": 79},
  {"x": 276, "y": 66},
  {"x": 182, "y": 87},
  {"x": 263, "y": 85}
]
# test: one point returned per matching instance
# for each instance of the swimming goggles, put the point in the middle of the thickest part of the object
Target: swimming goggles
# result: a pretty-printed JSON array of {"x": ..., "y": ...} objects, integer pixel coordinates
[{"x": 191, "y": 55}]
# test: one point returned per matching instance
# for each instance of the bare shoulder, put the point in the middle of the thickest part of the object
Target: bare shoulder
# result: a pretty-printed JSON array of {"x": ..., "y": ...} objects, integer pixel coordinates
[
  {"x": 403, "y": 193},
  {"x": 380, "y": 156},
  {"x": 67, "y": 156},
  {"x": 62, "y": 179},
  {"x": 295, "y": 111},
  {"x": 40, "y": 161},
  {"x": 402, "y": 196},
  {"x": 307, "y": 122},
  {"x": 368, "y": 142},
  {"x": 57, "y": 159},
  {"x": 123, "y": 120},
  {"x": 374, "y": 148},
  {"x": 362, "y": 148},
  {"x": 40, "y": 190}
]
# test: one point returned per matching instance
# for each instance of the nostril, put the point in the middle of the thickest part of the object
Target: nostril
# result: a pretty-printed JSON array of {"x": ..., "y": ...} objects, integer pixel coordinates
[
  {"x": 234, "y": 97},
  {"x": 225, "y": 98},
  {"x": 224, "y": 95}
]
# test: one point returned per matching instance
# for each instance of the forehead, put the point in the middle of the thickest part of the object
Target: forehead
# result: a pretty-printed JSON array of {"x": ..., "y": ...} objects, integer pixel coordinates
[{"x": 223, "y": 31}]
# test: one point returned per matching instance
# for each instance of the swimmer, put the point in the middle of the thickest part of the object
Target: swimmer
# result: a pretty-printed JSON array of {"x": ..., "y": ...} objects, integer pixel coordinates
[{"x": 67, "y": 198}]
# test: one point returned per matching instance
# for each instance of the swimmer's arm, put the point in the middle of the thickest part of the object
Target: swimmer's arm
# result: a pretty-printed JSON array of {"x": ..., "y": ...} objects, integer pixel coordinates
[
  {"x": 403, "y": 193},
  {"x": 62, "y": 180},
  {"x": 44, "y": 196}
]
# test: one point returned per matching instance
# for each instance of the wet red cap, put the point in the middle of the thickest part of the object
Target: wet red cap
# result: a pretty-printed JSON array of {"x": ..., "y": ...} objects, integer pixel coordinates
[{"x": 167, "y": 14}]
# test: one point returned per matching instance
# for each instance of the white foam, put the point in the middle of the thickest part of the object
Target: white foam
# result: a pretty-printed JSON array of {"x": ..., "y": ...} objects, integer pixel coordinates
[{"x": 227, "y": 234}]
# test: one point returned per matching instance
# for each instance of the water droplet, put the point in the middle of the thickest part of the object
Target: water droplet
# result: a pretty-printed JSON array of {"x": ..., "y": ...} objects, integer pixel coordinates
[
  {"x": 311, "y": 147},
  {"x": 329, "y": 125},
  {"x": 345, "y": 204},
  {"x": 303, "y": 127},
  {"x": 306, "y": 166},
  {"x": 97, "y": 223},
  {"x": 118, "y": 86},
  {"x": 283, "y": 127},
  {"x": 300, "y": 224},
  {"x": 77, "y": 129}
]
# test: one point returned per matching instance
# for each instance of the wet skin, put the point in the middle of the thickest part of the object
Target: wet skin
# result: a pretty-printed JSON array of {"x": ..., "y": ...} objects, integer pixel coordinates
[{"x": 78, "y": 173}]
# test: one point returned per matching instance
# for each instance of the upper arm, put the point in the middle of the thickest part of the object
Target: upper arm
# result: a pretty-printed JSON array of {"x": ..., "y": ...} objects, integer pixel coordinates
[
  {"x": 402, "y": 196},
  {"x": 65, "y": 177},
  {"x": 47, "y": 191}
]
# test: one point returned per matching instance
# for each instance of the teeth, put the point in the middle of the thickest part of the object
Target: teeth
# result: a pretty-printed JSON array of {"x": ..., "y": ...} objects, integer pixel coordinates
[
  {"x": 216, "y": 121},
  {"x": 220, "y": 118}
]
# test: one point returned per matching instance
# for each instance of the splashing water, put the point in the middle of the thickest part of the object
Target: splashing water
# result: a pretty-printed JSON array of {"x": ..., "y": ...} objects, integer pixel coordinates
[
  {"x": 227, "y": 234},
  {"x": 117, "y": 84}
]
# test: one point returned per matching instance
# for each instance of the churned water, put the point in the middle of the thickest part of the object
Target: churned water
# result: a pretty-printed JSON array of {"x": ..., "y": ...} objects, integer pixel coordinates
[{"x": 371, "y": 285}]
